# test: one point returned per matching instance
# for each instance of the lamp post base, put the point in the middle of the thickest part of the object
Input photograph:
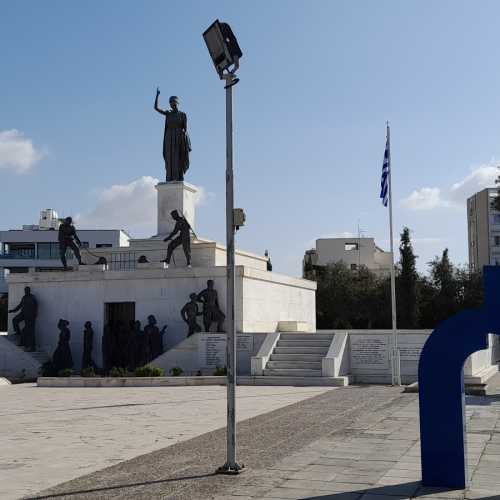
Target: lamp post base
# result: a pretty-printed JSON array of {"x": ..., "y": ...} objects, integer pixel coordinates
[{"x": 230, "y": 470}]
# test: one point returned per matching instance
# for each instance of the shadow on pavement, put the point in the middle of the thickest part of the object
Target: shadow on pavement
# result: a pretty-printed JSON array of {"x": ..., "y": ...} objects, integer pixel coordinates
[
  {"x": 120, "y": 486},
  {"x": 411, "y": 490}
]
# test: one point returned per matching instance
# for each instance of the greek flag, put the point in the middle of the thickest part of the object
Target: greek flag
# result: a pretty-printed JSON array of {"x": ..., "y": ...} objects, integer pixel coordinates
[{"x": 384, "y": 182}]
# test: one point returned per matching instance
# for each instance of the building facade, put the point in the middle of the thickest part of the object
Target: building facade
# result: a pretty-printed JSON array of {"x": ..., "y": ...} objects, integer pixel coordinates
[
  {"x": 353, "y": 252},
  {"x": 36, "y": 247},
  {"x": 483, "y": 224}
]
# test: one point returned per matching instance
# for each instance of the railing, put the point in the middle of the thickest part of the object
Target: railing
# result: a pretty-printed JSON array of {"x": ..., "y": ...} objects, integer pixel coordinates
[{"x": 22, "y": 254}]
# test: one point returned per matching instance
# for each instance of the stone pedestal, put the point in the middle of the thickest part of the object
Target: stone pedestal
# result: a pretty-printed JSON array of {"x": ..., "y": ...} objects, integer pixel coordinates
[{"x": 179, "y": 196}]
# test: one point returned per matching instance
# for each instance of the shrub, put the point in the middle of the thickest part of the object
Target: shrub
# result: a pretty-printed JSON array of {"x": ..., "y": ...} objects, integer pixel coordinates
[
  {"x": 48, "y": 369},
  {"x": 118, "y": 371},
  {"x": 220, "y": 372},
  {"x": 149, "y": 371},
  {"x": 176, "y": 371},
  {"x": 66, "y": 372},
  {"x": 88, "y": 372}
]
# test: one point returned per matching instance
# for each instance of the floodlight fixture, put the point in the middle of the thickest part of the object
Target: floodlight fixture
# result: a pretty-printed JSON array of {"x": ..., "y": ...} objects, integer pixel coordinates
[{"x": 223, "y": 47}]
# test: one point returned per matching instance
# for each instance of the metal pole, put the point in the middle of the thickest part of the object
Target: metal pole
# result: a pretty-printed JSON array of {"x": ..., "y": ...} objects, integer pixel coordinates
[
  {"x": 395, "y": 364},
  {"x": 231, "y": 466}
]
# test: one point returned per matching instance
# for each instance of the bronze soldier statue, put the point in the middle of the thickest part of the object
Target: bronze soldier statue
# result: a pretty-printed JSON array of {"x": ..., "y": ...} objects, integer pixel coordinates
[
  {"x": 62, "y": 358},
  {"x": 29, "y": 310},
  {"x": 88, "y": 342},
  {"x": 176, "y": 142},
  {"x": 189, "y": 314},
  {"x": 154, "y": 336},
  {"x": 211, "y": 309},
  {"x": 182, "y": 227},
  {"x": 67, "y": 238}
]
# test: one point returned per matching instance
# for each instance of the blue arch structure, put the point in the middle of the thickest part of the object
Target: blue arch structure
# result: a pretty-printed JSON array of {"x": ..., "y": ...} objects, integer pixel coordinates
[{"x": 441, "y": 386}]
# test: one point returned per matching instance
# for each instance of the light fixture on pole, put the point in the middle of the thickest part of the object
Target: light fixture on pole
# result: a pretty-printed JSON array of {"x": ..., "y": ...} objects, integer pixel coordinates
[{"x": 225, "y": 53}]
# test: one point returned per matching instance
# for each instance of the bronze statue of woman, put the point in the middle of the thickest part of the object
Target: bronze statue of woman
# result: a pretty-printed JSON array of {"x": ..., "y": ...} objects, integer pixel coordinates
[{"x": 176, "y": 143}]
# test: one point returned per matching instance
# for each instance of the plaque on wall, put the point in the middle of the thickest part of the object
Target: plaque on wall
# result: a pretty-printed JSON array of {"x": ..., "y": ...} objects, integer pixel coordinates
[
  {"x": 370, "y": 352},
  {"x": 410, "y": 346},
  {"x": 244, "y": 343},
  {"x": 212, "y": 350}
]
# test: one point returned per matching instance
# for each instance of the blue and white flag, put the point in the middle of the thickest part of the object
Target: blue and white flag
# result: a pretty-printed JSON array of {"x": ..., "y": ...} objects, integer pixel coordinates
[{"x": 384, "y": 182}]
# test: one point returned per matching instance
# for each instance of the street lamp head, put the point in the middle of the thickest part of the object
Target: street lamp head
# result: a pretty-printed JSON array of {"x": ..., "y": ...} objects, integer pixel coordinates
[{"x": 223, "y": 47}]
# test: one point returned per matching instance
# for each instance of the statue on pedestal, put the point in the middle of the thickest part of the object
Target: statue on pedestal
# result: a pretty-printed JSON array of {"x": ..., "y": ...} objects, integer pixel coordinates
[
  {"x": 62, "y": 358},
  {"x": 176, "y": 142},
  {"x": 29, "y": 310},
  {"x": 182, "y": 227},
  {"x": 211, "y": 309},
  {"x": 189, "y": 314},
  {"x": 67, "y": 237}
]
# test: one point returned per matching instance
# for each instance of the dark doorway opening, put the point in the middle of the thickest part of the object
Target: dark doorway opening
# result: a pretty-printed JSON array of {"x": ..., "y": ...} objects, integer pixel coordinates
[{"x": 119, "y": 311}]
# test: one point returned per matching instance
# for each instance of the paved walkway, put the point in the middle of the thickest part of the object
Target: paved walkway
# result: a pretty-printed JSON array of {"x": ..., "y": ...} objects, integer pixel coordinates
[{"x": 53, "y": 435}]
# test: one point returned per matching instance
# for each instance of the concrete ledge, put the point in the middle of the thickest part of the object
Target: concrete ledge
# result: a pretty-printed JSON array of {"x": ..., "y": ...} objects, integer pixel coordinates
[
  {"x": 4, "y": 381},
  {"x": 128, "y": 381},
  {"x": 258, "y": 362},
  {"x": 478, "y": 389},
  {"x": 73, "y": 382}
]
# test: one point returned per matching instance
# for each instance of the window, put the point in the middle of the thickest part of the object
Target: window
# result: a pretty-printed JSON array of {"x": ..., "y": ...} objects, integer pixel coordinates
[
  {"x": 48, "y": 251},
  {"x": 354, "y": 267},
  {"x": 103, "y": 245},
  {"x": 349, "y": 247}
]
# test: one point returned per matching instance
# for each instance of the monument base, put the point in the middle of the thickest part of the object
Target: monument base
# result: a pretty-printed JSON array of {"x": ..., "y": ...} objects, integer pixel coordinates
[{"x": 175, "y": 195}]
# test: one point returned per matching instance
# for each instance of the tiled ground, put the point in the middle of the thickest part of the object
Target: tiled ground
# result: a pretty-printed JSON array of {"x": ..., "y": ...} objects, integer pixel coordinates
[{"x": 380, "y": 460}]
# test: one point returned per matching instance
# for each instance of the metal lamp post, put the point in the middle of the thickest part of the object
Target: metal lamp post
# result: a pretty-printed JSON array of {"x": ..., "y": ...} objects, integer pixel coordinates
[{"x": 225, "y": 53}]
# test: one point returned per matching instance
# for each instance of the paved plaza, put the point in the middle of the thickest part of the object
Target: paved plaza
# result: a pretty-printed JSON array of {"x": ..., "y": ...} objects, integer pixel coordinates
[
  {"x": 352, "y": 443},
  {"x": 53, "y": 435}
]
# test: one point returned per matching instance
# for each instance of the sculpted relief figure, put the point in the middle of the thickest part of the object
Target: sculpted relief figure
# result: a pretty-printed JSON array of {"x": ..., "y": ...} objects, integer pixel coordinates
[
  {"x": 176, "y": 142},
  {"x": 189, "y": 314},
  {"x": 29, "y": 310},
  {"x": 211, "y": 310}
]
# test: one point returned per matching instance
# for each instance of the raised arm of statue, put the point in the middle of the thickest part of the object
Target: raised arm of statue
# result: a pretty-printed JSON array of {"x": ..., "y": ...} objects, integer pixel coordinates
[{"x": 157, "y": 108}]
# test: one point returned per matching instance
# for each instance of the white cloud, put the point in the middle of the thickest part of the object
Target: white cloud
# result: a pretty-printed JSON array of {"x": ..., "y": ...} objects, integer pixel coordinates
[
  {"x": 129, "y": 206},
  {"x": 17, "y": 152},
  {"x": 481, "y": 177},
  {"x": 424, "y": 199},
  {"x": 429, "y": 198}
]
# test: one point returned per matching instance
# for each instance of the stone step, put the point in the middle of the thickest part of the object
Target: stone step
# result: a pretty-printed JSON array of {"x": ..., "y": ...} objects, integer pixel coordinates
[
  {"x": 296, "y": 357},
  {"x": 300, "y": 350},
  {"x": 306, "y": 336},
  {"x": 303, "y": 343},
  {"x": 305, "y": 365},
  {"x": 294, "y": 381},
  {"x": 292, "y": 372}
]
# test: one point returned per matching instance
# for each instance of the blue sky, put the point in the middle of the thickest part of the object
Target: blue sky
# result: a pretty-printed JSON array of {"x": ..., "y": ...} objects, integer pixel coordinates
[{"x": 318, "y": 81}]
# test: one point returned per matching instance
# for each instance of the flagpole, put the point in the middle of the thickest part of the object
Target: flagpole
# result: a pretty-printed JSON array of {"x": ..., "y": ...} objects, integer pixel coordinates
[{"x": 395, "y": 357}]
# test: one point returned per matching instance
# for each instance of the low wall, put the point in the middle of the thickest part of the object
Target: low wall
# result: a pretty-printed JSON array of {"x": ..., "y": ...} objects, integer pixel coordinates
[
  {"x": 15, "y": 363},
  {"x": 367, "y": 357}
]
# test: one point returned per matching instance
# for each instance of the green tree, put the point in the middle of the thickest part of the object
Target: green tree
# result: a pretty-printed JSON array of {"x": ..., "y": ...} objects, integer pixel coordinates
[
  {"x": 406, "y": 284},
  {"x": 442, "y": 274},
  {"x": 496, "y": 201}
]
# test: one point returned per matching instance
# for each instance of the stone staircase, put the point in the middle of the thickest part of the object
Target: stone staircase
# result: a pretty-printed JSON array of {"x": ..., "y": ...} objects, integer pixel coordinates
[
  {"x": 298, "y": 355},
  {"x": 296, "y": 360}
]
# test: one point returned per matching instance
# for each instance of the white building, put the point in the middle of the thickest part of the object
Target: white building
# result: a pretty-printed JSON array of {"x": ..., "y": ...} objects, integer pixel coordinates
[
  {"x": 353, "y": 252},
  {"x": 483, "y": 224},
  {"x": 36, "y": 246}
]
